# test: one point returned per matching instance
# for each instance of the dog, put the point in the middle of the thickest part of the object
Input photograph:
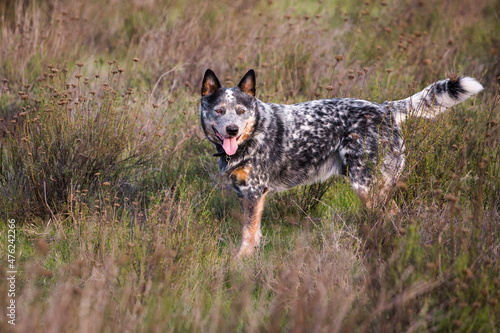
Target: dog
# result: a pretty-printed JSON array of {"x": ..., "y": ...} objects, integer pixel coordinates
[{"x": 266, "y": 147}]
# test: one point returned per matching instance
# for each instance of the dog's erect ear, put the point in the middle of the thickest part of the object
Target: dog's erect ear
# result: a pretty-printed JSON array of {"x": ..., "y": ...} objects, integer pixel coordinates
[
  {"x": 247, "y": 83},
  {"x": 210, "y": 83}
]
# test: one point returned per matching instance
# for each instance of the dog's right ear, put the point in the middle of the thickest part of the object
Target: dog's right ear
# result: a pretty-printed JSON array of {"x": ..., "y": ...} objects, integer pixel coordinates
[
  {"x": 210, "y": 83},
  {"x": 247, "y": 83}
]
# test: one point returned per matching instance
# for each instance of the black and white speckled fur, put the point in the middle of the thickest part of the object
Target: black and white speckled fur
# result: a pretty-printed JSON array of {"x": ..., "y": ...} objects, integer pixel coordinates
[{"x": 282, "y": 146}]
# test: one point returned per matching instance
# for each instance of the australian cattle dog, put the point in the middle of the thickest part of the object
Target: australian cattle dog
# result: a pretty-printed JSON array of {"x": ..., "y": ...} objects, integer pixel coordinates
[{"x": 266, "y": 147}]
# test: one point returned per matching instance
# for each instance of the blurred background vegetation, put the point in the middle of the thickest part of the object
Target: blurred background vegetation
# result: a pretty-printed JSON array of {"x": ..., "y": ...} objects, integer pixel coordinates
[{"x": 125, "y": 225}]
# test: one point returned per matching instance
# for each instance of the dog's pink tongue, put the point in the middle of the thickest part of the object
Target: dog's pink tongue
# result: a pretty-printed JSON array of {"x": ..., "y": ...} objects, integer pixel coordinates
[{"x": 230, "y": 145}]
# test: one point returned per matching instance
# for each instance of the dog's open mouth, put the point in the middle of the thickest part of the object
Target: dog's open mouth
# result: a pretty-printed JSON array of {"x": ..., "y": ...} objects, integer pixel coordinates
[{"x": 230, "y": 145}]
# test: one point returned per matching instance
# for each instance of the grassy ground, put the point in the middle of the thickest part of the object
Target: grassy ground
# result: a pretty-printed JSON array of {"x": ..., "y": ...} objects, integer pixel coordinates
[{"x": 124, "y": 225}]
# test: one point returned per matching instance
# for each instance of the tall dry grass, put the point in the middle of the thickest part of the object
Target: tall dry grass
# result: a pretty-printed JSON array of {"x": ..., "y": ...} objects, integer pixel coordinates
[{"x": 124, "y": 224}]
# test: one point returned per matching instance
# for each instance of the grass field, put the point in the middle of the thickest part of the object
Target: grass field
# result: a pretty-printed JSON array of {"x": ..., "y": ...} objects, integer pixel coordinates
[{"x": 123, "y": 223}]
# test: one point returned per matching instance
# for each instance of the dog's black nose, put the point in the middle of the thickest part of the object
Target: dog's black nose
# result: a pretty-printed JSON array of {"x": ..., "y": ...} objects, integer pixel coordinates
[{"x": 232, "y": 130}]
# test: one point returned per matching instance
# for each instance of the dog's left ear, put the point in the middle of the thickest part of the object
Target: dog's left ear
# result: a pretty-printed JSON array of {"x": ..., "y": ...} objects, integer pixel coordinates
[{"x": 247, "y": 83}]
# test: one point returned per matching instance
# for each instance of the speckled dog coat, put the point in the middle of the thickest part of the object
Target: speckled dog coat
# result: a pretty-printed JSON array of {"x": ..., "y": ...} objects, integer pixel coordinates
[{"x": 265, "y": 147}]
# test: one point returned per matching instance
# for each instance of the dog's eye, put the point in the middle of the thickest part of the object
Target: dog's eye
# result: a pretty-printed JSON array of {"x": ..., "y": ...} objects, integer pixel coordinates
[
  {"x": 218, "y": 110},
  {"x": 240, "y": 111}
]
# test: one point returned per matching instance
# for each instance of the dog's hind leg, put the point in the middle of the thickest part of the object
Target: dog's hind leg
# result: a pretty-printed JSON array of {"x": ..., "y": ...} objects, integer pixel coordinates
[
  {"x": 377, "y": 197},
  {"x": 374, "y": 182},
  {"x": 252, "y": 210},
  {"x": 374, "y": 188}
]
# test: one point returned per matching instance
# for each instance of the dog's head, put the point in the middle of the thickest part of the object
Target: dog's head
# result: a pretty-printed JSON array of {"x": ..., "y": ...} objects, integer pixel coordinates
[{"x": 228, "y": 115}]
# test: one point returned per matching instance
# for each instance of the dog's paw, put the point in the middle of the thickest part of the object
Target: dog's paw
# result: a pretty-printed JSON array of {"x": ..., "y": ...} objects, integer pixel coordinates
[{"x": 246, "y": 250}]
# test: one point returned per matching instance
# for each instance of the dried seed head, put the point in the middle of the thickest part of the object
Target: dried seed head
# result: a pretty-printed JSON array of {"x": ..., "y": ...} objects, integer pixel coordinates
[
  {"x": 43, "y": 272},
  {"x": 427, "y": 61},
  {"x": 354, "y": 136},
  {"x": 339, "y": 58},
  {"x": 451, "y": 198},
  {"x": 453, "y": 77},
  {"x": 401, "y": 185},
  {"x": 79, "y": 64},
  {"x": 388, "y": 70},
  {"x": 42, "y": 246},
  {"x": 469, "y": 274},
  {"x": 106, "y": 183},
  {"x": 135, "y": 59}
]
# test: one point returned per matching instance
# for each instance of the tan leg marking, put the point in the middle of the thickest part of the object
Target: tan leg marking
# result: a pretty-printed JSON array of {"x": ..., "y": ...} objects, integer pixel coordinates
[
  {"x": 251, "y": 227},
  {"x": 378, "y": 198}
]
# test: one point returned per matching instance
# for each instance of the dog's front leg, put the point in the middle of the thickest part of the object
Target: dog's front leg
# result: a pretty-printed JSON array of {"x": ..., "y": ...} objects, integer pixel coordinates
[{"x": 252, "y": 210}]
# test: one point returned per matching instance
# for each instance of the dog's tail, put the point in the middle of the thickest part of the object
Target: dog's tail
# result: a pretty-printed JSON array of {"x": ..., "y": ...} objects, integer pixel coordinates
[{"x": 436, "y": 98}]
